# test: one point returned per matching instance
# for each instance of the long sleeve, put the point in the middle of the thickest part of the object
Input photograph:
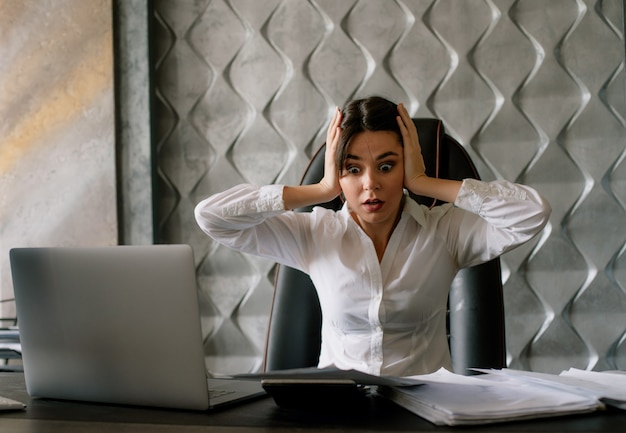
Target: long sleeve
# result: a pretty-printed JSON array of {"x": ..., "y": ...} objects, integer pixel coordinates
[
  {"x": 506, "y": 216},
  {"x": 253, "y": 220},
  {"x": 386, "y": 317}
]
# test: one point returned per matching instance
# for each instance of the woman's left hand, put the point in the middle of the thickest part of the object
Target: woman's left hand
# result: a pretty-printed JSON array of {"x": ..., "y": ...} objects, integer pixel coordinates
[{"x": 414, "y": 167}]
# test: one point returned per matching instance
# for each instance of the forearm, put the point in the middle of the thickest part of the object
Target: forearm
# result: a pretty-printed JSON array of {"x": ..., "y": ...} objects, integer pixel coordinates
[
  {"x": 238, "y": 208},
  {"x": 514, "y": 213},
  {"x": 252, "y": 219},
  {"x": 306, "y": 195},
  {"x": 501, "y": 216},
  {"x": 514, "y": 207},
  {"x": 440, "y": 189}
]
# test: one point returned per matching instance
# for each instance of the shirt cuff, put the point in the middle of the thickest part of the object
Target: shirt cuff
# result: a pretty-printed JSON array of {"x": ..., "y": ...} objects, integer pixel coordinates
[
  {"x": 266, "y": 199},
  {"x": 271, "y": 199},
  {"x": 474, "y": 193}
]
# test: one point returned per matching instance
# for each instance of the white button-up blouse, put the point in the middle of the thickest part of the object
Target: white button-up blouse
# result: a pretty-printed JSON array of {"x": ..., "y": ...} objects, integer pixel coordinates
[{"x": 387, "y": 317}]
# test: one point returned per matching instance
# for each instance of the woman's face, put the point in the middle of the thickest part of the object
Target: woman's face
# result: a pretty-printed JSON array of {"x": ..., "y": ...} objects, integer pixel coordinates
[{"x": 372, "y": 178}]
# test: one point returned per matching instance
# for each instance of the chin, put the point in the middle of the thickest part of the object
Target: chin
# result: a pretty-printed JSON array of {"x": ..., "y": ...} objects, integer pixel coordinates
[{"x": 375, "y": 219}]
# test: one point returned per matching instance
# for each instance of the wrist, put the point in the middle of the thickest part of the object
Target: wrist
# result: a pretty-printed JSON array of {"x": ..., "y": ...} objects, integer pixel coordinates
[
  {"x": 328, "y": 190},
  {"x": 308, "y": 195},
  {"x": 440, "y": 189},
  {"x": 418, "y": 184}
]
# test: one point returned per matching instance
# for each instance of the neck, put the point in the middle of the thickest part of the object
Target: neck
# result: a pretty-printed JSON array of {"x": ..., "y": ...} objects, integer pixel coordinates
[{"x": 379, "y": 233}]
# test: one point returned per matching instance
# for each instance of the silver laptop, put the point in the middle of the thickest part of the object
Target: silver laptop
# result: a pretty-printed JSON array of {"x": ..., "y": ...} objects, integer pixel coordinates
[{"x": 116, "y": 325}]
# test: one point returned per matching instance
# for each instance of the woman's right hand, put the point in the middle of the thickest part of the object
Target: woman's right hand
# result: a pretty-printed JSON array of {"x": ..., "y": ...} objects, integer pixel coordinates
[
  {"x": 326, "y": 189},
  {"x": 330, "y": 181}
]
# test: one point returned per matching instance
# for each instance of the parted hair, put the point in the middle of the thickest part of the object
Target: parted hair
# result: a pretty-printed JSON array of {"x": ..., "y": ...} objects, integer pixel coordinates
[{"x": 369, "y": 114}]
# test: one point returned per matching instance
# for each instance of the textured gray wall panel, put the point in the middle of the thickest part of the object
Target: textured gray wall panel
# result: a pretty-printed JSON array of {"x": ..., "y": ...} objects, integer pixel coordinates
[{"x": 533, "y": 89}]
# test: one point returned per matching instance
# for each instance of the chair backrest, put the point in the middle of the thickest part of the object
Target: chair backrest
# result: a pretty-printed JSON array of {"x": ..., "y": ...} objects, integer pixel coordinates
[{"x": 475, "y": 301}]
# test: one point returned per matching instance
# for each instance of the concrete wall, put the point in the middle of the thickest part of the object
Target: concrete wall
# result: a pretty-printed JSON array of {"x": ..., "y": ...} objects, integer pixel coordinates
[{"x": 57, "y": 128}]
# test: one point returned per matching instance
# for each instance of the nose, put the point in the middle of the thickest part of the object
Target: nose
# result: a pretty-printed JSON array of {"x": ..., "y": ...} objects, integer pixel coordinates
[{"x": 370, "y": 181}]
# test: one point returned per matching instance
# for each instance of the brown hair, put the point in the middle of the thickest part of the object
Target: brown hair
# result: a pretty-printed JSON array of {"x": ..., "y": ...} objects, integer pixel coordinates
[{"x": 369, "y": 114}]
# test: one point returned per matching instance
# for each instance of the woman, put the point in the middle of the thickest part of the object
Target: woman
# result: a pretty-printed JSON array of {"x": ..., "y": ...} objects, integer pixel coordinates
[{"x": 382, "y": 265}]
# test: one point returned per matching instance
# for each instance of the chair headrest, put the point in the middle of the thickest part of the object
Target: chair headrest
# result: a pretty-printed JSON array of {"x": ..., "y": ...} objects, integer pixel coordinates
[{"x": 431, "y": 133}]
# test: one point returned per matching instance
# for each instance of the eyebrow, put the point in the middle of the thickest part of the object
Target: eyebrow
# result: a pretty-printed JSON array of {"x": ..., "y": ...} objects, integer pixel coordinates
[{"x": 378, "y": 158}]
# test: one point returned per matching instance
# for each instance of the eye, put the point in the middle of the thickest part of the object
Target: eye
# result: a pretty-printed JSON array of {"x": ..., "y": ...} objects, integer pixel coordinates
[
  {"x": 385, "y": 167},
  {"x": 352, "y": 169}
]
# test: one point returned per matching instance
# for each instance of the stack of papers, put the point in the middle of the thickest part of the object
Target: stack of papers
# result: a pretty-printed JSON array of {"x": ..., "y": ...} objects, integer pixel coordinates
[
  {"x": 609, "y": 387},
  {"x": 450, "y": 399},
  {"x": 446, "y": 398}
]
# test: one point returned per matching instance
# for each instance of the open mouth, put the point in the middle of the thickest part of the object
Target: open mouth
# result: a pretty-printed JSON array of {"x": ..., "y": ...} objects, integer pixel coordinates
[{"x": 373, "y": 205}]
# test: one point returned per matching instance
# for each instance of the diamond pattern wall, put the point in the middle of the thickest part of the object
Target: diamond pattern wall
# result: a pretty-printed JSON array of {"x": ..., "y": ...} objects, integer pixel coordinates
[{"x": 533, "y": 89}]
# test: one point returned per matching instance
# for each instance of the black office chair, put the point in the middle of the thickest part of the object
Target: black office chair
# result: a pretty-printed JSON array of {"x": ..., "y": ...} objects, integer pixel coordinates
[{"x": 475, "y": 302}]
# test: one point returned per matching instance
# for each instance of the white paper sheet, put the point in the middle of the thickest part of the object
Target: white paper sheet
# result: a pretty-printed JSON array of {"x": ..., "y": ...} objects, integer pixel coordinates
[{"x": 452, "y": 399}]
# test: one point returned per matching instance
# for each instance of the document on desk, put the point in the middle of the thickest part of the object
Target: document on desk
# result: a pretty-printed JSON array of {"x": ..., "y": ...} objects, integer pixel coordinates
[
  {"x": 611, "y": 386},
  {"x": 607, "y": 386},
  {"x": 10, "y": 404},
  {"x": 445, "y": 398}
]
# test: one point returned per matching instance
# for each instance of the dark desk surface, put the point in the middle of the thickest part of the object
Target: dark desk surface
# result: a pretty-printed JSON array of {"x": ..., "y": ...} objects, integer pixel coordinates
[{"x": 256, "y": 416}]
